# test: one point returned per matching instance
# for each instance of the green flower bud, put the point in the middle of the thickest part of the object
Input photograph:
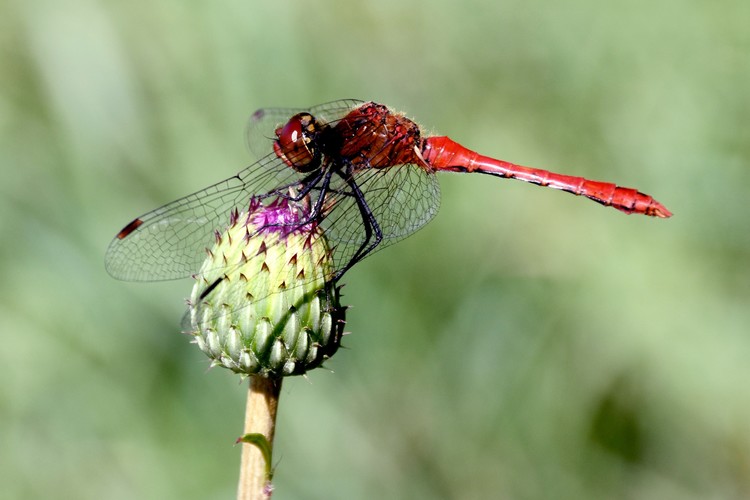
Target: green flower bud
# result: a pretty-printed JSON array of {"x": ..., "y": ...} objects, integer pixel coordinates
[{"x": 263, "y": 303}]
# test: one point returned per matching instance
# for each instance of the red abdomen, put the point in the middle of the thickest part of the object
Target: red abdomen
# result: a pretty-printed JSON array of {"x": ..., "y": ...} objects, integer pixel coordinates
[{"x": 442, "y": 153}]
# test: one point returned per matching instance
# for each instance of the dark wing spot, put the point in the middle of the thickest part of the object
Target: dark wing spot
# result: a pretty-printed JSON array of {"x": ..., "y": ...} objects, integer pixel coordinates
[{"x": 129, "y": 229}]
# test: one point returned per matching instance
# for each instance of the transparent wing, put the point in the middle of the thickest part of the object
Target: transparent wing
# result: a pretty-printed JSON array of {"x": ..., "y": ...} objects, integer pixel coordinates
[
  {"x": 170, "y": 242},
  {"x": 402, "y": 199},
  {"x": 264, "y": 122},
  {"x": 331, "y": 112}
]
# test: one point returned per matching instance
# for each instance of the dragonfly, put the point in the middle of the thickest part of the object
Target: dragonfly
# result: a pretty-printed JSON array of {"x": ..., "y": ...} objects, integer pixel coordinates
[{"x": 359, "y": 171}]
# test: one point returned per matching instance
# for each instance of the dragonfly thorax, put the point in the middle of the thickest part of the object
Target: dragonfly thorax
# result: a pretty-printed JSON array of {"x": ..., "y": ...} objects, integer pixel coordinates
[{"x": 373, "y": 136}]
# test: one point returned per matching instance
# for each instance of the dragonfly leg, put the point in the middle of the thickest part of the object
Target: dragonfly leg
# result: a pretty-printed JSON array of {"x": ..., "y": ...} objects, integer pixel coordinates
[
  {"x": 307, "y": 184},
  {"x": 313, "y": 215},
  {"x": 373, "y": 233}
]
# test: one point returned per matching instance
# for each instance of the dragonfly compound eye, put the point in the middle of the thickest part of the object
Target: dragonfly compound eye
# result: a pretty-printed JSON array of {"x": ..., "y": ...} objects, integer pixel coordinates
[{"x": 295, "y": 143}]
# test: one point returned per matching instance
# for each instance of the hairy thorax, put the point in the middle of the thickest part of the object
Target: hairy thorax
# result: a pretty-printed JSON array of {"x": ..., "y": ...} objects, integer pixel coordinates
[{"x": 374, "y": 136}]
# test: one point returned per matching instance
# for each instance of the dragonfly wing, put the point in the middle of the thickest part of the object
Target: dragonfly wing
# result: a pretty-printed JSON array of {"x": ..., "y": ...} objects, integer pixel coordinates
[
  {"x": 402, "y": 199},
  {"x": 333, "y": 111},
  {"x": 170, "y": 242}
]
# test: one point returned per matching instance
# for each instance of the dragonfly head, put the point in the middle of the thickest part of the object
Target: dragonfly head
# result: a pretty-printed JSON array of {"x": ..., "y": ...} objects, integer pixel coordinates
[{"x": 296, "y": 143}]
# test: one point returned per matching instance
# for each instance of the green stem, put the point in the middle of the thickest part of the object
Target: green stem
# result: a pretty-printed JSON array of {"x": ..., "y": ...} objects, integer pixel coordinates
[{"x": 260, "y": 422}]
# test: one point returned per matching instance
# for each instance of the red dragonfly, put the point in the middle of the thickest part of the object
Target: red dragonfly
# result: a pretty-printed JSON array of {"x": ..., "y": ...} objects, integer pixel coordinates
[{"x": 360, "y": 171}]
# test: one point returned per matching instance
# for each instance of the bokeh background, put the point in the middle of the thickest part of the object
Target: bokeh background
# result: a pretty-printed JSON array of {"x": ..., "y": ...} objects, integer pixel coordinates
[{"x": 526, "y": 344}]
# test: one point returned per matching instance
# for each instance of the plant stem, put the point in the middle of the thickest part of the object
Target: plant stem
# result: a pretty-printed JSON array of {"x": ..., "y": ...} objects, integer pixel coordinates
[{"x": 260, "y": 419}]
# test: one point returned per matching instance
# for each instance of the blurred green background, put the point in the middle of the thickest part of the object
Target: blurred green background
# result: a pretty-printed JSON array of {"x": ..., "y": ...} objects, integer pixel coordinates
[{"x": 526, "y": 344}]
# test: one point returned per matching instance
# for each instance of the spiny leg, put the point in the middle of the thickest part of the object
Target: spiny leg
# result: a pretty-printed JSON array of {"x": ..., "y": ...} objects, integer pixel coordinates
[{"x": 369, "y": 222}]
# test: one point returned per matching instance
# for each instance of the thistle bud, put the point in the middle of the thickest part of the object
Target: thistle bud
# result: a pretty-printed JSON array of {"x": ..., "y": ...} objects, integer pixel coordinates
[{"x": 263, "y": 303}]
